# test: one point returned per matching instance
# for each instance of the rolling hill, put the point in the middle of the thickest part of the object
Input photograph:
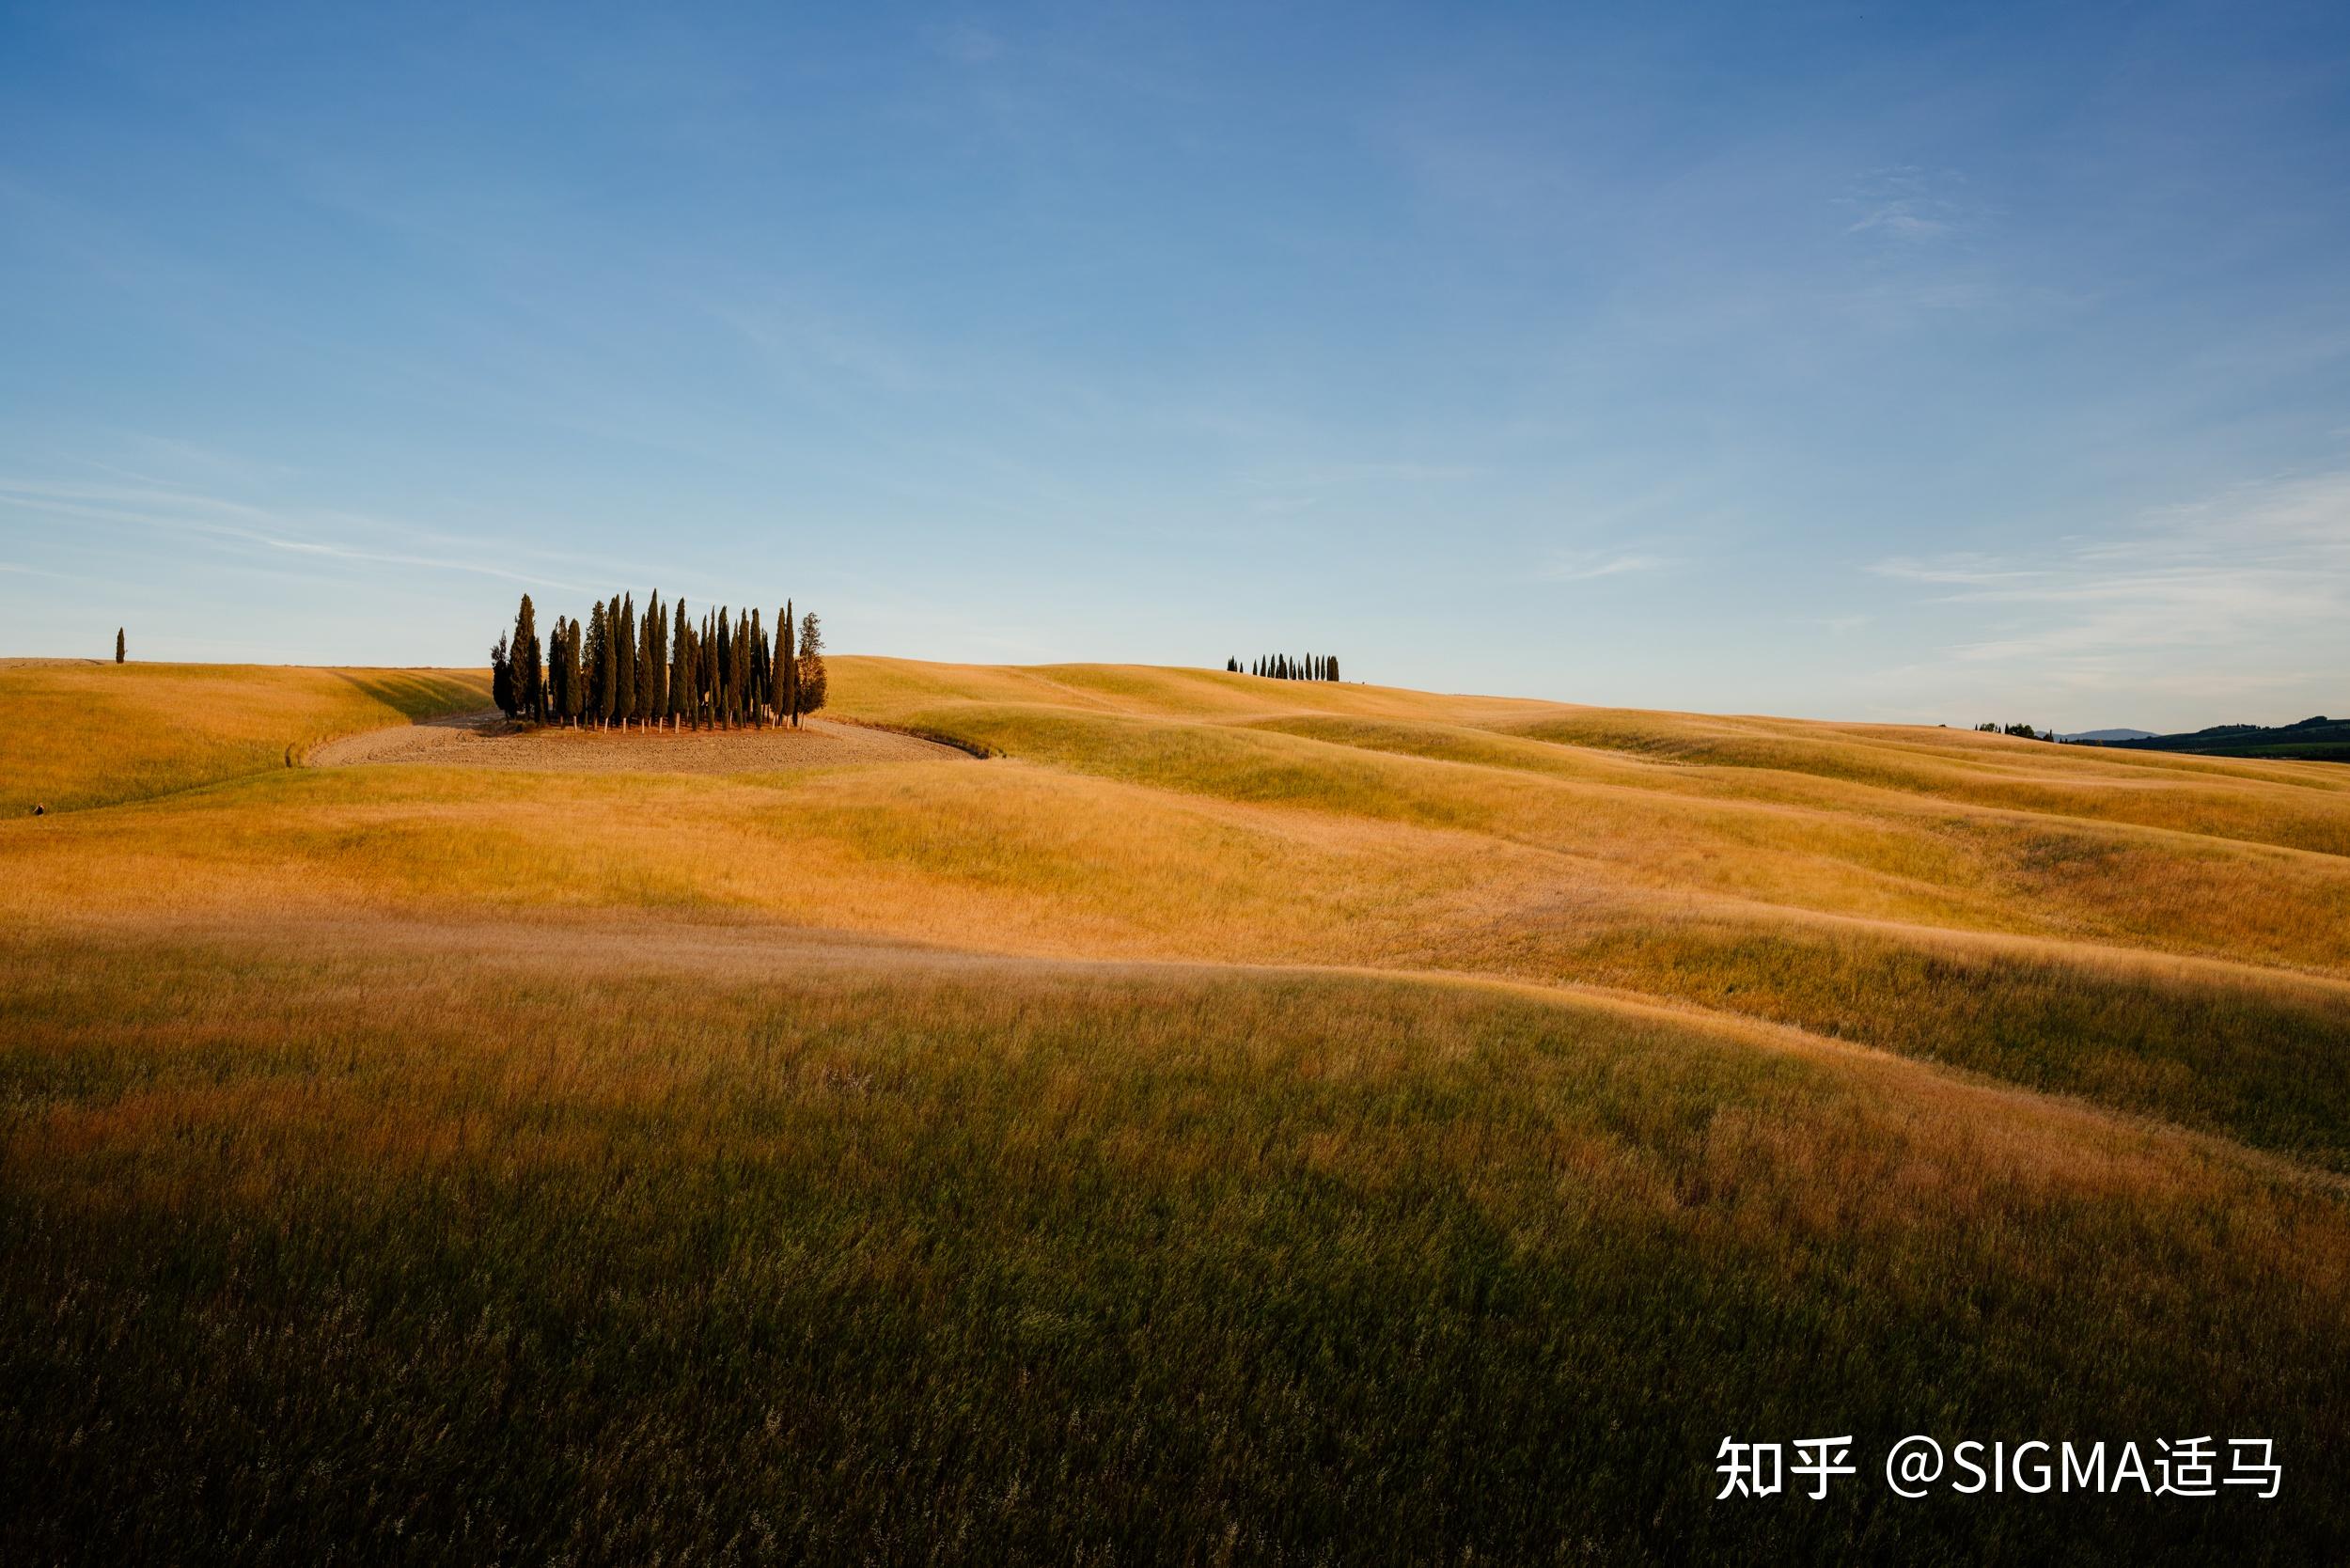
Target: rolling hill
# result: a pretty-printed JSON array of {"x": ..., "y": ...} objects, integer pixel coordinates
[{"x": 1238, "y": 1119}]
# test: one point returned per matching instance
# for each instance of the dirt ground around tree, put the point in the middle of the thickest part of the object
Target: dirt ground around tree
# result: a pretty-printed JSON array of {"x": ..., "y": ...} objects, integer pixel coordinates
[{"x": 486, "y": 740}]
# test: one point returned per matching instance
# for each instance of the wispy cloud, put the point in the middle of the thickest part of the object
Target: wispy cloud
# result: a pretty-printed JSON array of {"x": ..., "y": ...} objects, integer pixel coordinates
[
  {"x": 237, "y": 524},
  {"x": 1962, "y": 566},
  {"x": 1907, "y": 206},
  {"x": 1578, "y": 566},
  {"x": 2243, "y": 593}
]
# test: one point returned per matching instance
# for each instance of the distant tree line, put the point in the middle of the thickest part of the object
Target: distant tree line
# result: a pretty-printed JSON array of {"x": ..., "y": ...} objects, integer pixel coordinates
[
  {"x": 1284, "y": 667},
  {"x": 660, "y": 669},
  {"x": 2024, "y": 730}
]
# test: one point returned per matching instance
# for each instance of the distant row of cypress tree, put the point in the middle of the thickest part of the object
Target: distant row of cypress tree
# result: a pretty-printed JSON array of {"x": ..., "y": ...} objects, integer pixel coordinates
[
  {"x": 1282, "y": 666},
  {"x": 661, "y": 669}
]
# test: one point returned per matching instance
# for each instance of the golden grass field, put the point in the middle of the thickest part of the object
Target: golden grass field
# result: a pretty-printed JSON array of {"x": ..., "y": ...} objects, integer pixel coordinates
[{"x": 1240, "y": 1121}]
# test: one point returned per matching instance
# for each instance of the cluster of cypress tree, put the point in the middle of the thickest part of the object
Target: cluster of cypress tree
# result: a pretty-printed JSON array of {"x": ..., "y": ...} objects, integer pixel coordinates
[
  {"x": 1284, "y": 667},
  {"x": 661, "y": 669}
]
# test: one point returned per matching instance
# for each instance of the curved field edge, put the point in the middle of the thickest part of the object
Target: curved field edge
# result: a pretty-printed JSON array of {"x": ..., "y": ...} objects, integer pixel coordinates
[
  {"x": 746, "y": 1241},
  {"x": 80, "y": 735}
]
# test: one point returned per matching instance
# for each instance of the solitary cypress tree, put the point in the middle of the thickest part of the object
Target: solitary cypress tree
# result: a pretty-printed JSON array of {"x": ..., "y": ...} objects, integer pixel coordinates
[
  {"x": 118, "y": 645},
  {"x": 790, "y": 664}
]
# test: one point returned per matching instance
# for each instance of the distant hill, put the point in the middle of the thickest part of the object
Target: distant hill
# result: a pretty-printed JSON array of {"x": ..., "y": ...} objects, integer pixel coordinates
[
  {"x": 2320, "y": 739},
  {"x": 2103, "y": 736}
]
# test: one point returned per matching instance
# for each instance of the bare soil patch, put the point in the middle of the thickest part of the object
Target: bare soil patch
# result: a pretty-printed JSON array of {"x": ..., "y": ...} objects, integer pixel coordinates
[{"x": 486, "y": 740}]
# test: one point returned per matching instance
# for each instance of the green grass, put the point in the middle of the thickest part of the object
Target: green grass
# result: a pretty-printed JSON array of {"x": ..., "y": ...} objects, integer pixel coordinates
[
  {"x": 562, "y": 1259},
  {"x": 2257, "y": 1061}
]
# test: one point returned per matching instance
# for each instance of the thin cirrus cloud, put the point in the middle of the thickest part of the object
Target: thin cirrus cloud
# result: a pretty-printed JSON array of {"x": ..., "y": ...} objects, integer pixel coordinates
[
  {"x": 1964, "y": 566},
  {"x": 1910, "y": 207},
  {"x": 1578, "y": 565},
  {"x": 254, "y": 529},
  {"x": 2256, "y": 578}
]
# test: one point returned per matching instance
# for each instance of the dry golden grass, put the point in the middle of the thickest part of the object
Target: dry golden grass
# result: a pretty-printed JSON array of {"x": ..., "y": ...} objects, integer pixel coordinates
[
  {"x": 81, "y": 733},
  {"x": 1179, "y": 814},
  {"x": 1250, "y": 1102}
]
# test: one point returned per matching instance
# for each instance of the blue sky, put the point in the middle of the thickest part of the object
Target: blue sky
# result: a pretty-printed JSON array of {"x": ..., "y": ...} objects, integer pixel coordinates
[{"x": 1869, "y": 363}]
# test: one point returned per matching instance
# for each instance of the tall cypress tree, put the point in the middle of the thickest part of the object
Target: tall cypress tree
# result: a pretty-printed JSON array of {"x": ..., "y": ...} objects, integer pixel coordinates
[
  {"x": 705, "y": 663},
  {"x": 790, "y": 667},
  {"x": 575, "y": 672},
  {"x": 759, "y": 672},
  {"x": 597, "y": 659},
  {"x": 651, "y": 701},
  {"x": 523, "y": 648},
  {"x": 721, "y": 661},
  {"x": 681, "y": 671},
  {"x": 574, "y": 679},
  {"x": 624, "y": 663},
  {"x": 1333, "y": 672},
  {"x": 555, "y": 668},
  {"x": 739, "y": 672},
  {"x": 118, "y": 644},
  {"x": 559, "y": 669}
]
